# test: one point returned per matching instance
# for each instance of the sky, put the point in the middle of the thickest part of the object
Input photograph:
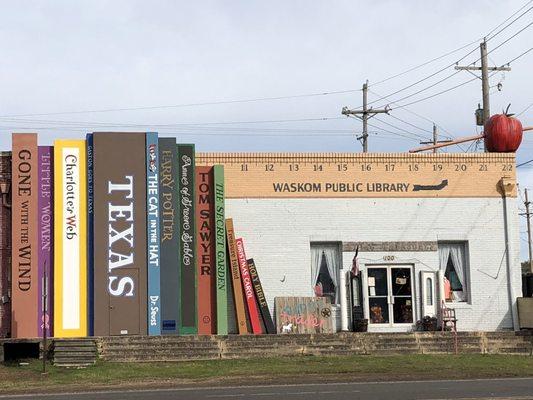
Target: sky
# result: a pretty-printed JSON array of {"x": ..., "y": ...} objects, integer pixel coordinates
[{"x": 182, "y": 68}]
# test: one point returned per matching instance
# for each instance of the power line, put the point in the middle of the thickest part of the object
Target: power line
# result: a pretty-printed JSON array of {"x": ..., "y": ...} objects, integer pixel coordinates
[
  {"x": 207, "y": 103},
  {"x": 524, "y": 163},
  {"x": 185, "y": 124},
  {"x": 437, "y": 94},
  {"x": 410, "y": 124},
  {"x": 508, "y": 39},
  {"x": 489, "y": 37},
  {"x": 400, "y": 129},
  {"x": 462, "y": 47},
  {"x": 521, "y": 55},
  {"x": 524, "y": 110},
  {"x": 425, "y": 63},
  {"x": 455, "y": 73}
]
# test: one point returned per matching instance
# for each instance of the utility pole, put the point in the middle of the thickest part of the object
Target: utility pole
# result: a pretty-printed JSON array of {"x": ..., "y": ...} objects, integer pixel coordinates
[
  {"x": 528, "y": 213},
  {"x": 364, "y": 115},
  {"x": 436, "y": 138},
  {"x": 484, "y": 77}
]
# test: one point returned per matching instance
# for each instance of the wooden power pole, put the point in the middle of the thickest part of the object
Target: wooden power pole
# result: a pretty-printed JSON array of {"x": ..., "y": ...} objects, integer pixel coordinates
[
  {"x": 364, "y": 115},
  {"x": 528, "y": 213},
  {"x": 484, "y": 77},
  {"x": 436, "y": 139}
]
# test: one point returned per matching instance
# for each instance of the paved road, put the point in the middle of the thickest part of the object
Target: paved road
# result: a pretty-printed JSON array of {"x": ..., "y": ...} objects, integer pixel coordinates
[{"x": 428, "y": 390}]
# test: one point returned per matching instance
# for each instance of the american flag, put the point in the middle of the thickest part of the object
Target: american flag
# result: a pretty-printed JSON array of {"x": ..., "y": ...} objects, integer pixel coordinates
[{"x": 355, "y": 263}]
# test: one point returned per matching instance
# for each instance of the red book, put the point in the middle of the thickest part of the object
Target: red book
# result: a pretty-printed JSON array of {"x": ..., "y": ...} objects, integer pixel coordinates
[
  {"x": 248, "y": 287},
  {"x": 205, "y": 251}
]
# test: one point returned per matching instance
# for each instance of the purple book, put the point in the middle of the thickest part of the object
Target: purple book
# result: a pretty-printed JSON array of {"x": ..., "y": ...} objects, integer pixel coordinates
[{"x": 46, "y": 236}]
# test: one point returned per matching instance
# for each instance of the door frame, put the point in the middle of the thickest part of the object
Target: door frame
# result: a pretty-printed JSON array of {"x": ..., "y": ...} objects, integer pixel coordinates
[
  {"x": 366, "y": 297},
  {"x": 423, "y": 293}
]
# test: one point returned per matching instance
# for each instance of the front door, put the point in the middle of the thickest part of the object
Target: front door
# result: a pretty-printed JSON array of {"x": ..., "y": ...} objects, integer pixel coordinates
[{"x": 390, "y": 295}]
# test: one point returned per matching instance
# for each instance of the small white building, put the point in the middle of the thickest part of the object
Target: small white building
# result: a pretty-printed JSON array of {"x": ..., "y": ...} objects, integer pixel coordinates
[{"x": 430, "y": 229}]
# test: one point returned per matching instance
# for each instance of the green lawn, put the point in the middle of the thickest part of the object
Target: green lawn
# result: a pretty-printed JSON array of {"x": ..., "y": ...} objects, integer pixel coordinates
[{"x": 15, "y": 378}]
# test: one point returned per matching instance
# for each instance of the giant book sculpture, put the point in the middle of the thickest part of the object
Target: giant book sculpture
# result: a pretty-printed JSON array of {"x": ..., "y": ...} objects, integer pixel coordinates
[
  {"x": 205, "y": 248},
  {"x": 70, "y": 239},
  {"x": 220, "y": 251},
  {"x": 187, "y": 240},
  {"x": 236, "y": 279},
  {"x": 120, "y": 250},
  {"x": 152, "y": 226},
  {"x": 24, "y": 232},
  {"x": 169, "y": 234},
  {"x": 248, "y": 288},
  {"x": 260, "y": 296},
  {"x": 45, "y": 238}
]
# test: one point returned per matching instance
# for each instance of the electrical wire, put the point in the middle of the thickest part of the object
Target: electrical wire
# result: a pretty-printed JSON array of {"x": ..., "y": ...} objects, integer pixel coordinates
[
  {"x": 207, "y": 103},
  {"x": 489, "y": 35},
  {"x": 401, "y": 129},
  {"x": 524, "y": 110},
  {"x": 524, "y": 163}
]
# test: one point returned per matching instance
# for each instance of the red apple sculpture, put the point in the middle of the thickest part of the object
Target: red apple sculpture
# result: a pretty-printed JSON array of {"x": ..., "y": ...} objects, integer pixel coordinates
[{"x": 503, "y": 133}]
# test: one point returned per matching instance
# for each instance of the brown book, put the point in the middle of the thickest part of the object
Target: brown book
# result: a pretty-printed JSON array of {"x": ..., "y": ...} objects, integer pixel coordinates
[
  {"x": 205, "y": 250},
  {"x": 25, "y": 288},
  {"x": 120, "y": 270},
  {"x": 5, "y": 244},
  {"x": 236, "y": 279}
]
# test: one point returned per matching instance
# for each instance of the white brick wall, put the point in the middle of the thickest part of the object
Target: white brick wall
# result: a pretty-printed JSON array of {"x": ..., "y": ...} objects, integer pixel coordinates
[{"x": 278, "y": 232}]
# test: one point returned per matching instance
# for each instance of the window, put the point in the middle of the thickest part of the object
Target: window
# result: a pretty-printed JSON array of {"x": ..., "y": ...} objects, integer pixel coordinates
[
  {"x": 454, "y": 263},
  {"x": 325, "y": 270},
  {"x": 429, "y": 292}
]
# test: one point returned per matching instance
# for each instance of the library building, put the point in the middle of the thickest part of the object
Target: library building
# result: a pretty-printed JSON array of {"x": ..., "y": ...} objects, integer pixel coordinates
[{"x": 389, "y": 239}]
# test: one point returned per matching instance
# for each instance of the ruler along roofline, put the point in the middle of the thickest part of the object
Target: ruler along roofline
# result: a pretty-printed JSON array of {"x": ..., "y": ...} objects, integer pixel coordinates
[
  {"x": 354, "y": 175},
  {"x": 225, "y": 158}
]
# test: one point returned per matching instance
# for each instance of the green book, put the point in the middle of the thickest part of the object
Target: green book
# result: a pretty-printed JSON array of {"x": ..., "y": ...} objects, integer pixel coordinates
[
  {"x": 220, "y": 251},
  {"x": 187, "y": 305}
]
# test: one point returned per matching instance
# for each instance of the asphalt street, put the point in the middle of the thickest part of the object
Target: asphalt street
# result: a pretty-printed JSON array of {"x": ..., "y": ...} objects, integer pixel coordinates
[{"x": 420, "y": 390}]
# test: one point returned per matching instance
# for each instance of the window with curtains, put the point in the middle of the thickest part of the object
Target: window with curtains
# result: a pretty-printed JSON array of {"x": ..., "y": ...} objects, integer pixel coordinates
[
  {"x": 325, "y": 270},
  {"x": 454, "y": 262}
]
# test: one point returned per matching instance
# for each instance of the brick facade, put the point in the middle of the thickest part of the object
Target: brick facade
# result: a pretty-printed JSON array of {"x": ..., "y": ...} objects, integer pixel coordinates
[
  {"x": 5, "y": 244},
  {"x": 278, "y": 233}
]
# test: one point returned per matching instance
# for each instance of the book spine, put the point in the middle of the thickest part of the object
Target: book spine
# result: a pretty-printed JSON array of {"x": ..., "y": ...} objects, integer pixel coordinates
[
  {"x": 5, "y": 244},
  {"x": 253, "y": 311},
  {"x": 121, "y": 276},
  {"x": 152, "y": 224},
  {"x": 90, "y": 235},
  {"x": 70, "y": 239},
  {"x": 45, "y": 239},
  {"x": 24, "y": 230},
  {"x": 220, "y": 251},
  {"x": 168, "y": 219},
  {"x": 188, "y": 323},
  {"x": 205, "y": 251},
  {"x": 236, "y": 278},
  {"x": 260, "y": 296}
]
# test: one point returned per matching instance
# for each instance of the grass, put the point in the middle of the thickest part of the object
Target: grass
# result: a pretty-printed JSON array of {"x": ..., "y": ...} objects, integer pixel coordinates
[{"x": 15, "y": 378}]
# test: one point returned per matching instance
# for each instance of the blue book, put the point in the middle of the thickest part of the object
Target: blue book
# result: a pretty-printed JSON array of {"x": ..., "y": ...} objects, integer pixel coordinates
[
  {"x": 90, "y": 235},
  {"x": 152, "y": 224}
]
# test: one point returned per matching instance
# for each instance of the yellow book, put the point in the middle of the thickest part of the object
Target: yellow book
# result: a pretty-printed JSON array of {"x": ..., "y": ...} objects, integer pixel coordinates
[{"x": 70, "y": 239}]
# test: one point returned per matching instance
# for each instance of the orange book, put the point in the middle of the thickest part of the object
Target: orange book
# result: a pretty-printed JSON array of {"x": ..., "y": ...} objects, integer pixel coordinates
[
  {"x": 25, "y": 300},
  {"x": 236, "y": 279}
]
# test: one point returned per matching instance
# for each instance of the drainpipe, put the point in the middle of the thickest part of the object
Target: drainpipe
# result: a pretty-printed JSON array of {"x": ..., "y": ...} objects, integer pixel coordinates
[
  {"x": 507, "y": 187},
  {"x": 344, "y": 302}
]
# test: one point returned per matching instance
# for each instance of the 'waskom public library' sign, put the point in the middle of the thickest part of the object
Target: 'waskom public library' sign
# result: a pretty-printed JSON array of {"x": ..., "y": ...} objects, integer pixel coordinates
[{"x": 329, "y": 175}]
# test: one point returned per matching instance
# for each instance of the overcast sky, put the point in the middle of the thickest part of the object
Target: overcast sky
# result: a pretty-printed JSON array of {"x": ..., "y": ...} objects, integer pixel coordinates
[{"x": 69, "y": 56}]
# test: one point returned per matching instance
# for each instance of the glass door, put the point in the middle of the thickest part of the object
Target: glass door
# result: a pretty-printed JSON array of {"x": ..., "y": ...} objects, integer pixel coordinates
[
  {"x": 401, "y": 296},
  {"x": 378, "y": 295},
  {"x": 390, "y": 295}
]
